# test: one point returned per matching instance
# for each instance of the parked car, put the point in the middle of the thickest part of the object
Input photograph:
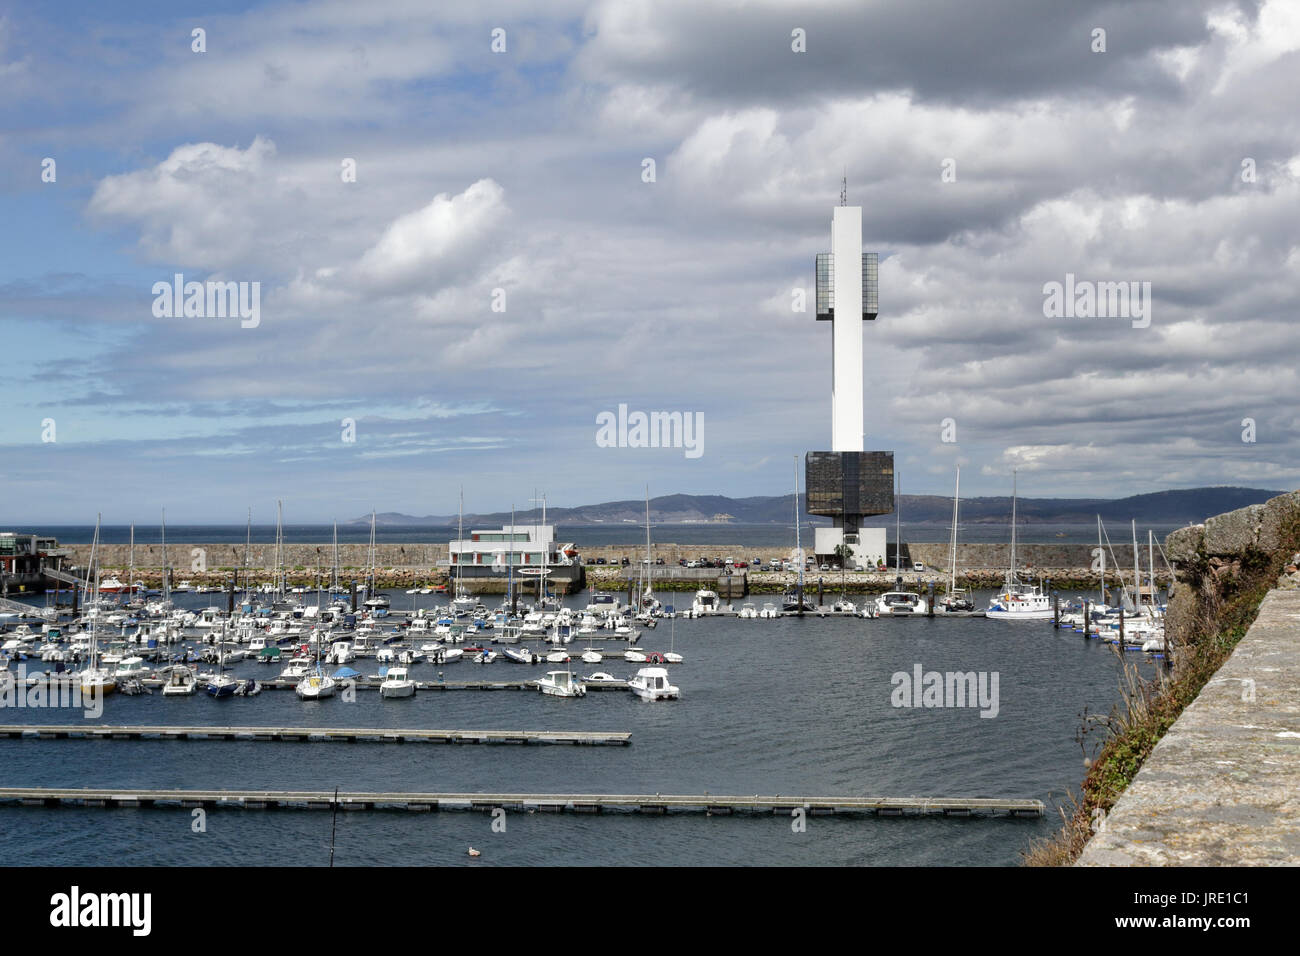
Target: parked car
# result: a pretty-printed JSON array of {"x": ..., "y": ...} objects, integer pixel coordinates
[
  {"x": 659, "y": 560},
  {"x": 918, "y": 566},
  {"x": 825, "y": 567},
  {"x": 600, "y": 560}
]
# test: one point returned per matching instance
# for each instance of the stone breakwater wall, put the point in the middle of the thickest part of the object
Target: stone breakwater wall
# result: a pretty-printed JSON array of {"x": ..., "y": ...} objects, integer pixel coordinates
[
  {"x": 433, "y": 554},
  {"x": 1213, "y": 558},
  {"x": 1222, "y": 786}
]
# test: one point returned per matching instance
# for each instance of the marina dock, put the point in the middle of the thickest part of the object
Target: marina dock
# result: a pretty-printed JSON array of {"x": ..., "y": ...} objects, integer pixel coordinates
[
  {"x": 312, "y": 734},
  {"x": 658, "y": 803}
]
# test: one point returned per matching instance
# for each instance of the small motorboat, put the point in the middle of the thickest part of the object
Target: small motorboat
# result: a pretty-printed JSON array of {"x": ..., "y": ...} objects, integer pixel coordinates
[
  {"x": 592, "y": 657},
  {"x": 558, "y": 657},
  {"x": 486, "y": 656},
  {"x": 562, "y": 684},
  {"x": 520, "y": 655},
  {"x": 180, "y": 682},
  {"x": 651, "y": 683},
  {"x": 634, "y": 656}
]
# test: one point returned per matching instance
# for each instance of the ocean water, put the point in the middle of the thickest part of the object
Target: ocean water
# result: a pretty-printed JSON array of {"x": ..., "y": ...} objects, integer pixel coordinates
[{"x": 784, "y": 706}]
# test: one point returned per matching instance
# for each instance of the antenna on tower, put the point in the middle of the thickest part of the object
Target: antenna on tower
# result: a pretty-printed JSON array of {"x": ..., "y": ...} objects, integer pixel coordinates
[{"x": 844, "y": 188}]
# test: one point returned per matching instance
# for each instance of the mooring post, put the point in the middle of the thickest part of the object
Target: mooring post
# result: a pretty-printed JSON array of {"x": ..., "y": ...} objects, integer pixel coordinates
[
  {"x": 1121, "y": 626},
  {"x": 1087, "y": 619},
  {"x": 352, "y": 591},
  {"x": 930, "y": 611},
  {"x": 230, "y": 601},
  {"x": 820, "y": 592},
  {"x": 1056, "y": 612}
]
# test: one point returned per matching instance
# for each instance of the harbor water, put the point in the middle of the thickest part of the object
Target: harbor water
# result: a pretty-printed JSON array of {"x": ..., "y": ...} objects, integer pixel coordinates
[{"x": 786, "y": 706}]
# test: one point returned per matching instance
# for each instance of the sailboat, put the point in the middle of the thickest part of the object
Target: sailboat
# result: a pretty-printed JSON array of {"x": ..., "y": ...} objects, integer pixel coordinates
[
  {"x": 96, "y": 680},
  {"x": 221, "y": 685},
  {"x": 316, "y": 685},
  {"x": 1017, "y": 601},
  {"x": 899, "y": 603},
  {"x": 463, "y": 602},
  {"x": 794, "y": 601},
  {"x": 671, "y": 655},
  {"x": 374, "y": 600},
  {"x": 956, "y": 600}
]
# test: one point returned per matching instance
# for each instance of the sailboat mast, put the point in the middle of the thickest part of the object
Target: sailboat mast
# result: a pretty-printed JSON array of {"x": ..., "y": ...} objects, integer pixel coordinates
[
  {"x": 334, "y": 573},
  {"x": 510, "y": 563},
  {"x": 1102, "y": 549},
  {"x": 798, "y": 546},
  {"x": 1151, "y": 568},
  {"x": 1137, "y": 570},
  {"x": 130, "y": 574},
  {"x": 248, "y": 553},
  {"x": 956, "y": 496},
  {"x": 166, "y": 584},
  {"x": 898, "y": 523},
  {"x": 1013, "y": 526},
  {"x": 649, "y": 568}
]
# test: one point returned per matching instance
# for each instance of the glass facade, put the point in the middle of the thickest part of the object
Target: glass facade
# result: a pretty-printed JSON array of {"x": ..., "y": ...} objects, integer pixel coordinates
[
  {"x": 848, "y": 483},
  {"x": 870, "y": 284},
  {"x": 825, "y": 286}
]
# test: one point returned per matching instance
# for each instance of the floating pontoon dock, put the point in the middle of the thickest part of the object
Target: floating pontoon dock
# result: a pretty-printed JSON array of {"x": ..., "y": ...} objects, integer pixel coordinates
[
  {"x": 658, "y": 803},
  {"x": 89, "y": 731}
]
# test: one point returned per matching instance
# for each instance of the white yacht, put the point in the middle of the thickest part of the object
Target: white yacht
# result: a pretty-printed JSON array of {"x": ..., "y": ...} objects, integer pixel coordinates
[
  {"x": 706, "y": 602},
  {"x": 900, "y": 604},
  {"x": 748, "y": 611},
  {"x": 651, "y": 683},
  {"x": 1016, "y": 601},
  {"x": 397, "y": 683}
]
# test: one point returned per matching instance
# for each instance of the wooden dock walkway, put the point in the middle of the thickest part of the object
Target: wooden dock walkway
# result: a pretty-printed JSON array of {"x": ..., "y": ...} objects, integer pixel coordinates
[
  {"x": 88, "y": 731},
  {"x": 658, "y": 803}
]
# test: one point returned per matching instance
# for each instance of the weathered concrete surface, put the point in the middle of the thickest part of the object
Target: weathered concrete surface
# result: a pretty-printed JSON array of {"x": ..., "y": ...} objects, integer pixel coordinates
[{"x": 1222, "y": 787}]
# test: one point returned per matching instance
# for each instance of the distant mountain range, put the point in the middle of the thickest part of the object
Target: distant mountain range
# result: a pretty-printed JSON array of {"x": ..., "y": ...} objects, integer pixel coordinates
[{"x": 1190, "y": 504}]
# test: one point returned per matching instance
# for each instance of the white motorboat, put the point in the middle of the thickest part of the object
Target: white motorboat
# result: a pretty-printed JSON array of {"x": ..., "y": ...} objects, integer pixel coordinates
[
  {"x": 180, "y": 682},
  {"x": 769, "y": 610},
  {"x": 562, "y": 684},
  {"x": 651, "y": 683},
  {"x": 634, "y": 656},
  {"x": 748, "y": 611},
  {"x": 520, "y": 655},
  {"x": 604, "y": 678},
  {"x": 486, "y": 656},
  {"x": 590, "y": 656},
  {"x": 558, "y": 657},
  {"x": 397, "y": 683}
]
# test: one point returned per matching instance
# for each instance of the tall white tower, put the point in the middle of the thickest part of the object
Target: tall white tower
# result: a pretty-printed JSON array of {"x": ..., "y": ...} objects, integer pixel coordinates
[
  {"x": 848, "y": 483},
  {"x": 846, "y": 331}
]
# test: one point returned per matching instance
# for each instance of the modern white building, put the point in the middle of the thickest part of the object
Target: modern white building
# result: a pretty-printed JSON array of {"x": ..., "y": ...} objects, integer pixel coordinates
[{"x": 493, "y": 550}]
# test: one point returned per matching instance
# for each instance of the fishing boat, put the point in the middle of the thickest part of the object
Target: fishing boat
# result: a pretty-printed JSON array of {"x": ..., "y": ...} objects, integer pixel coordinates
[
  {"x": 397, "y": 683},
  {"x": 561, "y": 684},
  {"x": 651, "y": 683}
]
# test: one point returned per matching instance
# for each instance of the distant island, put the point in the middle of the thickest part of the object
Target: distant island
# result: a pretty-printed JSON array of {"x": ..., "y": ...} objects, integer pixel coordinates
[{"x": 1168, "y": 507}]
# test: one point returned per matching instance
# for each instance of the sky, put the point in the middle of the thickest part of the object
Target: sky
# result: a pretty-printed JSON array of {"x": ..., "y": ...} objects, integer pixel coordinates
[{"x": 502, "y": 269}]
